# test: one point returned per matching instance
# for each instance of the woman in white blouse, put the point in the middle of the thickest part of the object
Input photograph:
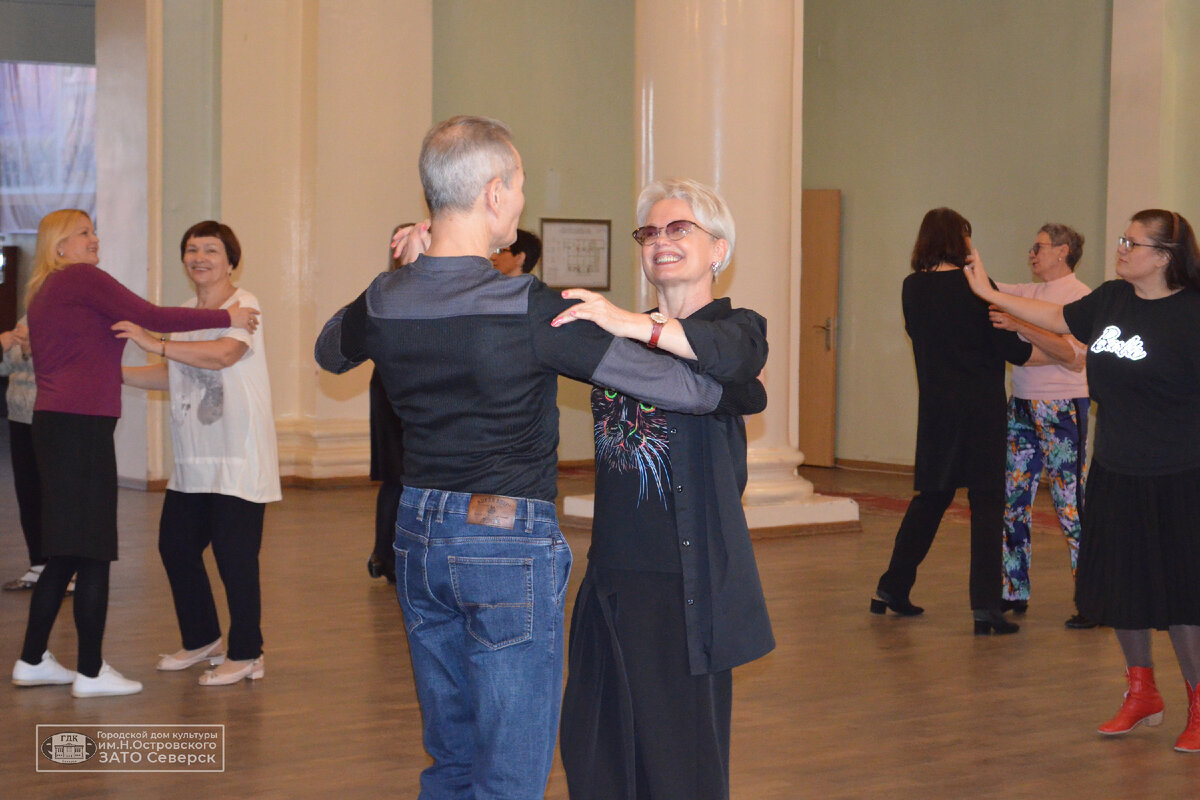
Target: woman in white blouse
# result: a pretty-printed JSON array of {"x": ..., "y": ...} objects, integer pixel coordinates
[{"x": 226, "y": 462}]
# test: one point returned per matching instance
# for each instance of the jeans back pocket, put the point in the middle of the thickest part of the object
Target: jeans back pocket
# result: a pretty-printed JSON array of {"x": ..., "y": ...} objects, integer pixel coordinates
[{"x": 496, "y": 597}]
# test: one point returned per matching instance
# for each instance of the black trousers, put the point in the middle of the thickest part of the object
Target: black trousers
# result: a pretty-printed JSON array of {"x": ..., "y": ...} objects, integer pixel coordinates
[
  {"x": 636, "y": 724},
  {"x": 28, "y": 488},
  {"x": 190, "y": 522},
  {"x": 386, "y": 504},
  {"x": 919, "y": 527}
]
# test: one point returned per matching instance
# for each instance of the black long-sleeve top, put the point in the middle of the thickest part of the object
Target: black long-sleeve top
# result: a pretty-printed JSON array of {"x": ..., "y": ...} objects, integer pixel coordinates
[{"x": 961, "y": 406}]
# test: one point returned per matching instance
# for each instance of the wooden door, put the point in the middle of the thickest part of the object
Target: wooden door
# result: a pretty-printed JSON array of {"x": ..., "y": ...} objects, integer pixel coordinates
[{"x": 820, "y": 254}]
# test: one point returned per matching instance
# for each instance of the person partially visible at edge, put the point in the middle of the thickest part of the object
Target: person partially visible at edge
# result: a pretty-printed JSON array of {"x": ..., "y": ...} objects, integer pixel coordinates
[
  {"x": 73, "y": 306},
  {"x": 387, "y": 465},
  {"x": 1047, "y": 420},
  {"x": 1139, "y": 555},
  {"x": 960, "y": 418},
  {"x": 22, "y": 392},
  {"x": 470, "y": 363},
  {"x": 671, "y": 601},
  {"x": 520, "y": 257},
  {"x": 226, "y": 462}
]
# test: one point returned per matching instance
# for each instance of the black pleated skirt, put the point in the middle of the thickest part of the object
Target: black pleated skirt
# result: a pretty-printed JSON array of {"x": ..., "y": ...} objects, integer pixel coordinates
[
  {"x": 1139, "y": 550},
  {"x": 77, "y": 464}
]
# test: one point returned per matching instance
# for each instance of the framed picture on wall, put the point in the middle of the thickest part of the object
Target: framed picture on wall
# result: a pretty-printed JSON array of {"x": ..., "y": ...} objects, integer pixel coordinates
[{"x": 576, "y": 252}]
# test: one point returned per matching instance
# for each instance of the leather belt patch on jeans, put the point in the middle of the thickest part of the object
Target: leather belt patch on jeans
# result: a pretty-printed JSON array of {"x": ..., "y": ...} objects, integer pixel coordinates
[{"x": 493, "y": 510}]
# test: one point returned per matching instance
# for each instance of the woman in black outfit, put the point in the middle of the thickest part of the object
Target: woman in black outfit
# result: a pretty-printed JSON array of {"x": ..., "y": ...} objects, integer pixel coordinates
[
  {"x": 671, "y": 601},
  {"x": 960, "y": 421},
  {"x": 1139, "y": 554}
]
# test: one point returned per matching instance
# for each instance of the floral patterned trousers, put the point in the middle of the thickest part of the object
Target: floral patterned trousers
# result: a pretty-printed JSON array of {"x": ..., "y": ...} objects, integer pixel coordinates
[{"x": 1050, "y": 435}]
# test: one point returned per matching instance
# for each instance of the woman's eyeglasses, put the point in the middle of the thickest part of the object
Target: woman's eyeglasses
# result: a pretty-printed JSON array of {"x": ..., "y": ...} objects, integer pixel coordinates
[
  {"x": 1125, "y": 243},
  {"x": 674, "y": 231}
]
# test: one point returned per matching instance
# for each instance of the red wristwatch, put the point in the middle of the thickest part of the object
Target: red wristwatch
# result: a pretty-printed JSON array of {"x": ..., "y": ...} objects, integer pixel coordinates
[{"x": 658, "y": 319}]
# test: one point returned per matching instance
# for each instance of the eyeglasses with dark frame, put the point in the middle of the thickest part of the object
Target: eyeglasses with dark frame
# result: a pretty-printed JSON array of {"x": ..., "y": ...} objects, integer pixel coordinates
[
  {"x": 1125, "y": 243},
  {"x": 647, "y": 234}
]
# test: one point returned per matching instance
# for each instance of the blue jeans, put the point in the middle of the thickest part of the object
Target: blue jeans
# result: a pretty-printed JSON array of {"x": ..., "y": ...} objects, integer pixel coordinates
[{"x": 482, "y": 582}]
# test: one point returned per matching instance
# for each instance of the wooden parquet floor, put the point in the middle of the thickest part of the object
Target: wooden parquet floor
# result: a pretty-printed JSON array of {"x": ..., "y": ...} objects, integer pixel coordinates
[{"x": 849, "y": 705}]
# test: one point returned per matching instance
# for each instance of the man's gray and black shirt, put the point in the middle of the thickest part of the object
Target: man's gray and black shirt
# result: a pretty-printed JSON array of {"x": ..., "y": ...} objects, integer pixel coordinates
[{"x": 470, "y": 364}]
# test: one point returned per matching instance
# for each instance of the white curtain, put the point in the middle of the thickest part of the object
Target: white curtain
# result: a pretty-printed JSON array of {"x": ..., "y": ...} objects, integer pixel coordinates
[{"x": 47, "y": 141}]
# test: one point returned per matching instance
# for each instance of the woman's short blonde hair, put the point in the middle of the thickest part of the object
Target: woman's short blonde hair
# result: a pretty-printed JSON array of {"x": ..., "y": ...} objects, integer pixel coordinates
[
  {"x": 708, "y": 207},
  {"x": 52, "y": 230}
]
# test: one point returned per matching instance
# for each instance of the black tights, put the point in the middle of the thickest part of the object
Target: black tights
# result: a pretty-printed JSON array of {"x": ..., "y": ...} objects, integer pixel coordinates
[{"x": 91, "y": 609}]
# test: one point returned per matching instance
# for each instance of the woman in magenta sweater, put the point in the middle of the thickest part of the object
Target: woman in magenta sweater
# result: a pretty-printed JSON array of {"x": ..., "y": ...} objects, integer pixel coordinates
[{"x": 72, "y": 308}]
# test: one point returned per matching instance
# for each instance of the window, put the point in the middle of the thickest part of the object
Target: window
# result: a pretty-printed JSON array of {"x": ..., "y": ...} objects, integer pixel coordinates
[{"x": 47, "y": 141}]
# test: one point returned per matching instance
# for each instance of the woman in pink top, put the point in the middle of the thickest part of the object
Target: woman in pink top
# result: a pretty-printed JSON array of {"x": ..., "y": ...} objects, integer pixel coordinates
[
  {"x": 72, "y": 308},
  {"x": 1047, "y": 420}
]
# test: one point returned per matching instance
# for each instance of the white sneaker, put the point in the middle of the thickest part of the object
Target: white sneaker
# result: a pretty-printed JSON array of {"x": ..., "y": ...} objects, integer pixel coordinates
[
  {"x": 108, "y": 683},
  {"x": 186, "y": 658},
  {"x": 47, "y": 671}
]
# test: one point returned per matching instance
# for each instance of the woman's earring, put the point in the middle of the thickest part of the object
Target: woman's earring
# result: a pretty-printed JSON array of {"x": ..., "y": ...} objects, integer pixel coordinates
[
  {"x": 714, "y": 267},
  {"x": 60, "y": 253}
]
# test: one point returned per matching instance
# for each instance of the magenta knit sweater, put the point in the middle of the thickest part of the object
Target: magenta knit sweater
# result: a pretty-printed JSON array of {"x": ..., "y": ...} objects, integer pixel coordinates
[{"x": 77, "y": 353}]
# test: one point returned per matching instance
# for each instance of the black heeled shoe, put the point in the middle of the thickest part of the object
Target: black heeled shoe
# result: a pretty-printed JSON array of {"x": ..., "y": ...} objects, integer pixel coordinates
[
  {"x": 987, "y": 622},
  {"x": 882, "y": 601},
  {"x": 378, "y": 568},
  {"x": 1018, "y": 607}
]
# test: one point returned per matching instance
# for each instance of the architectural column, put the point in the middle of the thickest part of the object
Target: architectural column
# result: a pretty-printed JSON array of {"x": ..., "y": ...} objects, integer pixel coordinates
[
  {"x": 1154, "y": 113},
  {"x": 129, "y": 186},
  {"x": 318, "y": 163},
  {"x": 722, "y": 104},
  {"x": 718, "y": 99}
]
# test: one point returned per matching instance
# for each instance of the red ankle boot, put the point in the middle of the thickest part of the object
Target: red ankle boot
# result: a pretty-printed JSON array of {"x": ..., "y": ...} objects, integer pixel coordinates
[
  {"x": 1143, "y": 704},
  {"x": 1189, "y": 740}
]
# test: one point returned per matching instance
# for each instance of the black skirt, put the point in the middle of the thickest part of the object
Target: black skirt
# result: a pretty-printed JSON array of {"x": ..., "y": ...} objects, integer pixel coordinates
[
  {"x": 1139, "y": 550},
  {"x": 77, "y": 464},
  {"x": 635, "y": 721}
]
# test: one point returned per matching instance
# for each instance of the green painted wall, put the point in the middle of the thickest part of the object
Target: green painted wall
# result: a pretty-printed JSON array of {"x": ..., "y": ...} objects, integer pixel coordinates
[
  {"x": 997, "y": 108},
  {"x": 561, "y": 76},
  {"x": 191, "y": 130}
]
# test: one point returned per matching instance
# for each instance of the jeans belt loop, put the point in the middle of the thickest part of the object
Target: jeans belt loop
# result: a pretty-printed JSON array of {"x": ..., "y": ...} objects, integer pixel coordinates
[
  {"x": 529, "y": 513},
  {"x": 421, "y": 505},
  {"x": 442, "y": 506}
]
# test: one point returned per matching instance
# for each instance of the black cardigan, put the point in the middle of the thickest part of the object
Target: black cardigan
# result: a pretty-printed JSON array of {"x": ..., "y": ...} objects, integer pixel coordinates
[{"x": 725, "y": 611}]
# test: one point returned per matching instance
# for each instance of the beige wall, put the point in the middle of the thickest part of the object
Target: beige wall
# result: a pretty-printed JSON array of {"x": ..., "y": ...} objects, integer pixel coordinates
[
  {"x": 561, "y": 75},
  {"x": 997, "y": 109}
]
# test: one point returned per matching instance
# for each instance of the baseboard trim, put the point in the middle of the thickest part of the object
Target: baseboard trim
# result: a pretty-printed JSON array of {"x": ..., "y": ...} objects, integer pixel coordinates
[
  {"x": 334, "y": 482},
  {"x": 873, "y": 466}
]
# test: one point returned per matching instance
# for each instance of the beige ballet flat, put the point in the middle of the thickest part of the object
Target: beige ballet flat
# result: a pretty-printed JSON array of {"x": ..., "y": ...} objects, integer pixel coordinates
[
  {"x": 186, "y": 658},
  {"x": 232, "y": 672}
]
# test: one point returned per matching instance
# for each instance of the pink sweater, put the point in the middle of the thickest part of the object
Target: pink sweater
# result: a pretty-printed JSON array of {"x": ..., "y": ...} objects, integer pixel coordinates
[
  {"x": 78, "y": 355},
  {"x": 1050, "y": 382}
]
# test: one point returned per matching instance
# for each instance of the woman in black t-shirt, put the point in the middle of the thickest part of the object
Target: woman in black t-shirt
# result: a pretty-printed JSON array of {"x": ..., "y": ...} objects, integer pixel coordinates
[{"x": 1139, "y": 559}]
